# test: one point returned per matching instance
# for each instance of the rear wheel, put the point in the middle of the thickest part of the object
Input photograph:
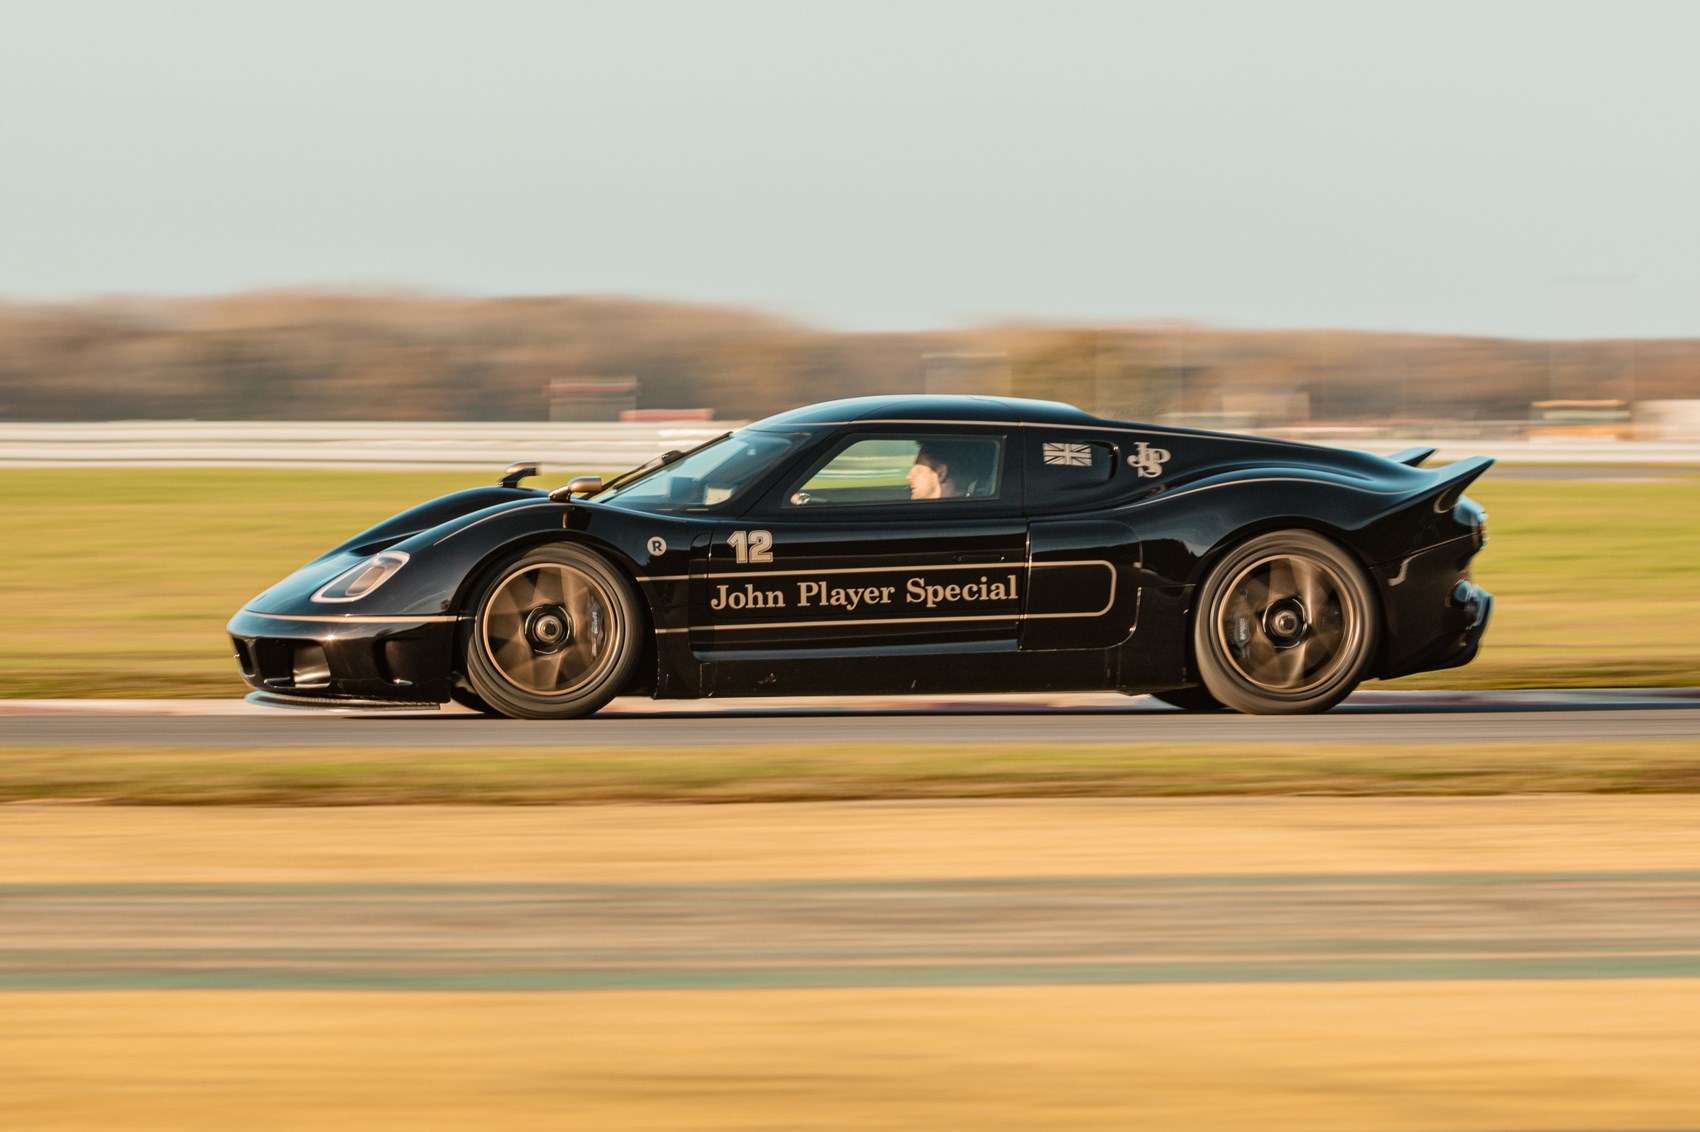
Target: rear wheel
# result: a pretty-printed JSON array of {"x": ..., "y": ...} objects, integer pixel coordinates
[
  {"x": 554, "y": 635},
  {"x": 1286, "y": 623}
]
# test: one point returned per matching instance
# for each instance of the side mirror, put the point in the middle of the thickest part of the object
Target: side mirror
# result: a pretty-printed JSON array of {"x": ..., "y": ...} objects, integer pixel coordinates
[
  {"x": 517, "y": 472},
  {"x": 578, "y": 485}
]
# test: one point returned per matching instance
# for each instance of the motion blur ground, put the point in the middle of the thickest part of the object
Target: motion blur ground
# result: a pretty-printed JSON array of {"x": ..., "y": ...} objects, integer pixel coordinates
[
  {"x": 1288, "y": 963},
  {"x": 1385, "y": 1057}
]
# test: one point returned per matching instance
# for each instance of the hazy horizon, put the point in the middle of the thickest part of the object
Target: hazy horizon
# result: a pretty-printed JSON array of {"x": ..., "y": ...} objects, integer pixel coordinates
[{"x": 1508, "y": 170}]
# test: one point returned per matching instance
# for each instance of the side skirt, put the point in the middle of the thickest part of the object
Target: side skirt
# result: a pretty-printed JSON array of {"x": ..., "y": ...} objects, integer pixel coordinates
[{"x": 776, "y": 674}]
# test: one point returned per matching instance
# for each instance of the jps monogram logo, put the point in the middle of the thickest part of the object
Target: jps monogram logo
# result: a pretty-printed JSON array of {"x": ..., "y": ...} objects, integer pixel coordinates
[{"x": 1148, "y": 461}]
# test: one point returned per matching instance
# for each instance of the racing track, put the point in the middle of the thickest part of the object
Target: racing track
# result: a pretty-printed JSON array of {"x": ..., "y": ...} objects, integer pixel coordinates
[{"x": 1368, "y": 718}]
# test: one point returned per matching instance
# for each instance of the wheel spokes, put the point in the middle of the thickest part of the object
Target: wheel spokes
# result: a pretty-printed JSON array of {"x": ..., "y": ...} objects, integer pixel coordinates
[
  {"x": 578, "y": 608},
  {"x": 505, "y": 603},
  {"x": 1326, "y": 635},
  {"x": 1256, "y": 593},
  {"x": 1261, "y": 656},
  {"x": 1317, "y": 653},
  {"x": 513, "y": 654},
  {"x": 550, "y": 669},
  {"x": 1310, "y": 587},
  {"x": 1283, "y": 580},
  {"x": 538, "y": 671},
  {"x": 1289, "y": 667},
  {"x": 504, "y": 626},
  {"x": 546, "y": 586}
]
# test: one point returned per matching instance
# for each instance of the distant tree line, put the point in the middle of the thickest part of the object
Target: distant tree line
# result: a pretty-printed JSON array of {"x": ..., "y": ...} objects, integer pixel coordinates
[{"x": 317, "y": 356}]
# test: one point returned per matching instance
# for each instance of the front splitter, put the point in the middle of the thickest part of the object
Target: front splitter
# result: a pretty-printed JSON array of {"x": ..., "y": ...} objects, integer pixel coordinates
[{"x": 335, "y": 706}]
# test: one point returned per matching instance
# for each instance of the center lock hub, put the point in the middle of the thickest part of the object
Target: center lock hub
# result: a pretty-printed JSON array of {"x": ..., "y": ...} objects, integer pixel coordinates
[
  {"x": 1285, "y": 623},
  {"x": 548, "y": 628}
]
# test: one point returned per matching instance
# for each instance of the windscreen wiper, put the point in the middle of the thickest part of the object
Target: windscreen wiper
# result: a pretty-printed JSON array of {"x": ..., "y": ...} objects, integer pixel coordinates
[{"x": 672, "y": 456}]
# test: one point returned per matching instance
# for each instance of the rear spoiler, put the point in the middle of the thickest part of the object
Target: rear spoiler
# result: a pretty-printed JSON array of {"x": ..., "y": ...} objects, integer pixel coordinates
[
  {"x": 1413, "y": 456},
  {"x": 1451, "y": 480}
]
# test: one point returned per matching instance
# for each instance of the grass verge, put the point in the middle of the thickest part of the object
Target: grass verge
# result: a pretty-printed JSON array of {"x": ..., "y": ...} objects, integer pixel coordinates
[
  {"x": 119, "y": 583},
  {"x": 359, "y": 777}
]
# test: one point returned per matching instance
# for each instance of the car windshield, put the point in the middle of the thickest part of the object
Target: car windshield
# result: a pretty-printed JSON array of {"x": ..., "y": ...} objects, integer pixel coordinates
[{"x": 716, "y": 473}]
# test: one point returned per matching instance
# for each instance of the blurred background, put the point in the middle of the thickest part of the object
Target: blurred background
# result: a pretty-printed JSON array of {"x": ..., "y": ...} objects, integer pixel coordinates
[
  {"x": 306, "y": 356},
  {"x": 1464, "y": 219}
]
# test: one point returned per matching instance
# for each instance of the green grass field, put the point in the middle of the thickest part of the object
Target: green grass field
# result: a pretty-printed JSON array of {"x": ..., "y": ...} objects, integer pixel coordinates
[{"x": 119, "y": 582}]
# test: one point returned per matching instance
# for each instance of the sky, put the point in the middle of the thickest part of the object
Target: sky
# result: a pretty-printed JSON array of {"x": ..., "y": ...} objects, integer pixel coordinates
[{"x": 1522, "y": 169}]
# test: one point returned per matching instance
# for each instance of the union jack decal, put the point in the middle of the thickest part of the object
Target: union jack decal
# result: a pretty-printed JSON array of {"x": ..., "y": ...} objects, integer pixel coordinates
[{"x": 1068, "y": 455}]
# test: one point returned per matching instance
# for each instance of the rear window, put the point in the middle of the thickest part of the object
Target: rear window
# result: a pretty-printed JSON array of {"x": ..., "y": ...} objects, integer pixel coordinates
[{"x": 1063, "y": 469}]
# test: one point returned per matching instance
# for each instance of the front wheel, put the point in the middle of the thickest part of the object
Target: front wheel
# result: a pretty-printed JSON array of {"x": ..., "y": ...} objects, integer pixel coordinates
[
  {"x": 1286, "y": 623},
  {"x": 554, "y": 635}
]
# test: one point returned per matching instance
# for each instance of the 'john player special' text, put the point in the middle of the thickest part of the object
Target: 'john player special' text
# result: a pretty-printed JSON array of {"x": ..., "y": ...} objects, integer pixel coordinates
[{"x": 825, "y": 595}]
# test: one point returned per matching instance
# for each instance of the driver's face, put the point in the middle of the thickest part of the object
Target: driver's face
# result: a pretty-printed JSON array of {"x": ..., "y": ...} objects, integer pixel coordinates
[{"x": 925, "y": 480}]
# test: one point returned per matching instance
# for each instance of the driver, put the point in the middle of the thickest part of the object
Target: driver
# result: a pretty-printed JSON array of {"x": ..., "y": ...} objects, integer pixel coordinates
[{"x": 940, "y": 471}]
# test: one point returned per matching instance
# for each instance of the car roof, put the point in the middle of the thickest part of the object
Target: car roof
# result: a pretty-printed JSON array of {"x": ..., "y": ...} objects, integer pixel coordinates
[{"x": 928, "y": 408}]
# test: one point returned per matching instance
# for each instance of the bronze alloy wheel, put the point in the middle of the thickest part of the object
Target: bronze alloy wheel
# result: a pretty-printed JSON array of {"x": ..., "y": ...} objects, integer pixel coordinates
[
  {"x": 554, "y": 635},
  {"x": 1286, "y": 623}
]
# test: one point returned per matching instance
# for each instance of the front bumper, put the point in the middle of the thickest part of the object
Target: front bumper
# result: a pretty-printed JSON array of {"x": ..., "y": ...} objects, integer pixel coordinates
[{"x": 339, "y": 658}]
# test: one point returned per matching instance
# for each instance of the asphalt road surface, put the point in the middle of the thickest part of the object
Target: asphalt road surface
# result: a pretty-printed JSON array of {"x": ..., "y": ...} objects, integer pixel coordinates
[{"x": 1367, "y": 718}]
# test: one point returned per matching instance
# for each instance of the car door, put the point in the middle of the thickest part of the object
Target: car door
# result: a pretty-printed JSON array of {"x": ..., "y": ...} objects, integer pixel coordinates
[
  {"x": 843, "y": 557},
  {"x": 1084, "y": 556}
]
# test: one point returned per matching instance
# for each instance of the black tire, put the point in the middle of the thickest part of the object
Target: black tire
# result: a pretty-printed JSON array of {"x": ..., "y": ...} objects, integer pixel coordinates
[
  {"x": 1286, "y": 623},
  {"x": 554, "y": 634},
  {"x": 1189, "y": 699}
]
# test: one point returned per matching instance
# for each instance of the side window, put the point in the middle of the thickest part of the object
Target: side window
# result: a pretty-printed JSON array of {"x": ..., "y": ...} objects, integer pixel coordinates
[{"x": 904, "y": 469}]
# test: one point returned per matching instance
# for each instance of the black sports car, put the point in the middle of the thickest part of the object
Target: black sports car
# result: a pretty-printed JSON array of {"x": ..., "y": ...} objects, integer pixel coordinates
[{"x": 886, "y": 545}]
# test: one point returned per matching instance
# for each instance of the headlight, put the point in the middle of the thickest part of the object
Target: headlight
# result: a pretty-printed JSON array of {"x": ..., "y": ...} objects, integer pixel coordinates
[{"x": 352, "y": 585}]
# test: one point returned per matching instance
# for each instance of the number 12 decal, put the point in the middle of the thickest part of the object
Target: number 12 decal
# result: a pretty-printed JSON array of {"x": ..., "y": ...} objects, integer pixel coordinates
[{"x": 751, "y": 546}]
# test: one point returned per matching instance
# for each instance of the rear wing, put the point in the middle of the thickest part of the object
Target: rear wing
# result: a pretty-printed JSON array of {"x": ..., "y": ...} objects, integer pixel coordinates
[{"x": 1452, "y": 479}]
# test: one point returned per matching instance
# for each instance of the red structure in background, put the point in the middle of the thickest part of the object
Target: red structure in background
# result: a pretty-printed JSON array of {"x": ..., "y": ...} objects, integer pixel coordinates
[{"x": 667, "y": 415}]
